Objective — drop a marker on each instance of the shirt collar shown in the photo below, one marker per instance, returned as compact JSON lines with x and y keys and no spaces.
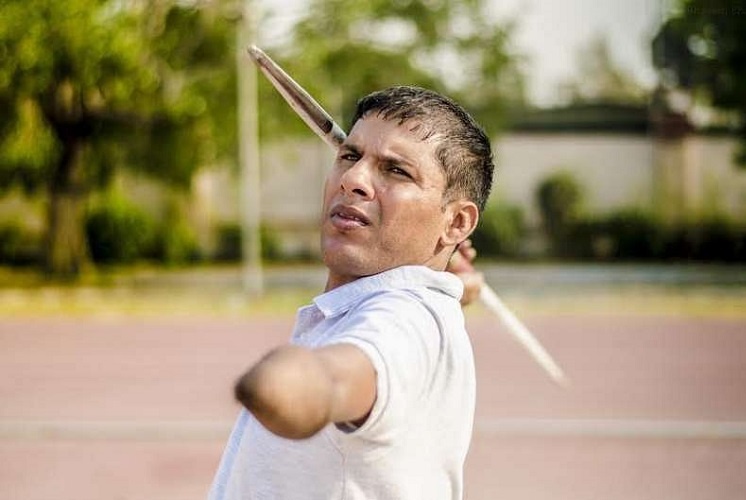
{"x":341,"y":299}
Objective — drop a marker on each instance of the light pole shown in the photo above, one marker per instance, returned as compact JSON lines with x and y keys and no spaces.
{"x":248,"y":153}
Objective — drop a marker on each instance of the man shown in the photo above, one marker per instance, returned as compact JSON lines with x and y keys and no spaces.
{"x":374,"y":396}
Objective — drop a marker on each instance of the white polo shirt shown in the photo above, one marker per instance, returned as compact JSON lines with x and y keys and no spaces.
{"x":413,"y":445}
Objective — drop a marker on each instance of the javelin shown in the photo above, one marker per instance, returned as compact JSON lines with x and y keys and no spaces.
{"x":325,"y":127}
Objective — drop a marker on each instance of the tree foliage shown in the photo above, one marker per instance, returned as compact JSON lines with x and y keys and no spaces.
{"x":89,"y":86}
{"x":701,"y":49}
{"x":343,"y":49}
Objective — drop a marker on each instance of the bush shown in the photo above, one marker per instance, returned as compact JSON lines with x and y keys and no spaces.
{"x":717,"y":239}
{"x":584,"y":240}
{"x":559,"y":198}
{"x":271,"y":248}
{"x":722,"y":240}
{"x":175,"y":243}
{"x":118,"y":232}
{"x":626,"y":234}
{"x":230,"y":240}
{"x":636,"y":234}
{"x":19,"y":247}
{"x":632,"y":234}
{"x":500,"y":232}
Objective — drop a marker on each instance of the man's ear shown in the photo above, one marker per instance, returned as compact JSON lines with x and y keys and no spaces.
{"x":462,"y":219}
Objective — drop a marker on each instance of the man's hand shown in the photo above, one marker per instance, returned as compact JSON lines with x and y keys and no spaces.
{"x":461,"y":265}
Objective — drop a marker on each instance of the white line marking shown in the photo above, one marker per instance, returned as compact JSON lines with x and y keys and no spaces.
{"x":189,"y":430}
{"x":125,"y":430}
{"x":611,"y":428}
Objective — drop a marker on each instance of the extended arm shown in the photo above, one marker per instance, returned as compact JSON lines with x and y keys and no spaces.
{"x":295,"y":391}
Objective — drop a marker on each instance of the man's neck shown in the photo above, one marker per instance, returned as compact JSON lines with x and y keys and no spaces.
{"x":335,"y":280}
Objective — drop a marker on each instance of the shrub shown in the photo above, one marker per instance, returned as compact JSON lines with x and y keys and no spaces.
{"x":633,"y":235}
{"x":230,"y":240}
{"x":228,"y":247}
{"x":18,"y":246}
{"x":584,"y":240}
{"x":175,"y":243}
{"x":717,"y":239}
{"x":118,"y":232}
{"x":500,"y":232}
{"x":559,"y":198}
{"x":624,"y":234}
{"x":271,"y":248}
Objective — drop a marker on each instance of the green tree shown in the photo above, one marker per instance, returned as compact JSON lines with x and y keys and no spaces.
{"x":343,"y":49}
{"x":701,"y":49}
{"x":89,"y":86}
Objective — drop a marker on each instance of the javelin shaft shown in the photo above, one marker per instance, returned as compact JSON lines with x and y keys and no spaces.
{"x":304,"y":105}
{"x":518,"y":330}
{"x":325,"y":127}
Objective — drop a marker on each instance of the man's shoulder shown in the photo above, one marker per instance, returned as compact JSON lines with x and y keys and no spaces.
{"x":406,"y":310}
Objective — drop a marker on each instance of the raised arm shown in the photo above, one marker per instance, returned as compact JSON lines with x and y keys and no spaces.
{"x":295,"y":391}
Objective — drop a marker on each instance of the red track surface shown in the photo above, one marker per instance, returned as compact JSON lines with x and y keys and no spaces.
{"x":121,"y":408}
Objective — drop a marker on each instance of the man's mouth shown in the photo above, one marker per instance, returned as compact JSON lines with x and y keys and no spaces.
{"x":347,"y":217}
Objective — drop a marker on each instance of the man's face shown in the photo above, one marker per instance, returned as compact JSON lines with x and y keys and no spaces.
{"x":383,"y":202}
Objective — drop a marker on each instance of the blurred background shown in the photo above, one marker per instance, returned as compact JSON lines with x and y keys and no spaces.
{"x":618,"y":128}
{"x":158,"y":227}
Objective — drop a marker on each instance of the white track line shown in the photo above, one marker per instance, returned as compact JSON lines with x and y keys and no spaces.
{"x":165,"y":430}
{"x":612,"y":428}
{"x":124,"y":430}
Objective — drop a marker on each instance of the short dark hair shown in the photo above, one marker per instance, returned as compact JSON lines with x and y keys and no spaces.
{"x":463,"y":149}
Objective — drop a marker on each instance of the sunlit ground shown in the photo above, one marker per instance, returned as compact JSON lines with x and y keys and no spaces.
{"x":527,"y":289}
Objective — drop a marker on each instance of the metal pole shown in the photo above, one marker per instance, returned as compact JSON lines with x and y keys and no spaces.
{"x":248,"y":154}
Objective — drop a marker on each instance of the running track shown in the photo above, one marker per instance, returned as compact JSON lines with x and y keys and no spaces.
{"x":139,"y":408}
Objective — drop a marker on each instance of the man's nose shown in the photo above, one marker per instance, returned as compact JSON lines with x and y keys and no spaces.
{"x":358,"y":179}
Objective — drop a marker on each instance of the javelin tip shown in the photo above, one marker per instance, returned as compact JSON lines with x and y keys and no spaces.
{"x":255,"y":52}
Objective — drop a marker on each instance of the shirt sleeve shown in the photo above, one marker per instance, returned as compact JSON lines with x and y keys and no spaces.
{"x":402,"y":338}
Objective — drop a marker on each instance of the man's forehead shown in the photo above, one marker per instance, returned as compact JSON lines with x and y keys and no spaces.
{"x":415,"y":128}
{"x":390,"y":140}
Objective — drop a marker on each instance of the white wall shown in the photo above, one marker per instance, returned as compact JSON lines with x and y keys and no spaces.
{"x":614,"y":170}
{"x":693,"y":175}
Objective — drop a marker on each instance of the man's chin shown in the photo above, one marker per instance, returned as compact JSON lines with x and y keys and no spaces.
{"x":349,"y":262}
{"x":345,"y":264}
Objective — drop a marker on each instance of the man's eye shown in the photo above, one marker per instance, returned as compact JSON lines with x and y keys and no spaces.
{"x":398,"y":171}
{"x":349,"y":157}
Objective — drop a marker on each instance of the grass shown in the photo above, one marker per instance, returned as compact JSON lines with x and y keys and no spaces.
{"x":141,"y":291}
{"x":216,"y":291}
{"x":632,"y":300}
{"x":116,"y":301}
